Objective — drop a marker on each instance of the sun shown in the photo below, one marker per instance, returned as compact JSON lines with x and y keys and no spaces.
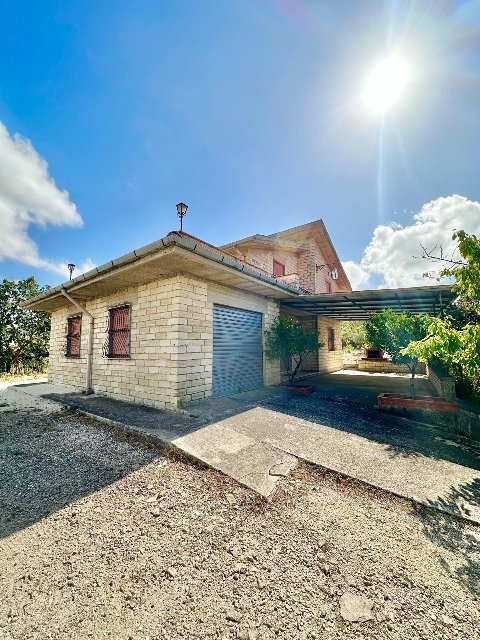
{"x":385,"y":84}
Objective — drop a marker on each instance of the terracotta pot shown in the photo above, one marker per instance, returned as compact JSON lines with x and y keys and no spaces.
{"x":421,"y":402}
{"x":304,"y":391}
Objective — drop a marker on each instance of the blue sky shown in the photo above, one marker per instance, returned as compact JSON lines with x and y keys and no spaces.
{"x":250,"y":111}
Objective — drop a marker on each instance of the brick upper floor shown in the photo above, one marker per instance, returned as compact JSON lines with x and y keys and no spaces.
{"x":303,"y":256}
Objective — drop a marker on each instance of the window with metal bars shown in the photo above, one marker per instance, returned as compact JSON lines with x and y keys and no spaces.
{"x":331,"y":339}
{"x":119,"y":332}
{"x":74,"y":328}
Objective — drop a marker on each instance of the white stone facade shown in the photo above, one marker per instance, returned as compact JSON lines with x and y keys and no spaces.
{"x":171,"y":319}
{"x":170,"y":341}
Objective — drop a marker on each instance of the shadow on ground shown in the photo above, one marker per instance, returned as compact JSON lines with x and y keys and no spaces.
{"x":79,"y":465}
{"x":342,"y":402}
{"x":453,"y":535}
{"x":48,"y":461}
{"x":403,"y":438}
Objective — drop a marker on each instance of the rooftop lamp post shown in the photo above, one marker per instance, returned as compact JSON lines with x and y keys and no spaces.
{"x":70,"y":268}
{"x":181,"y":212}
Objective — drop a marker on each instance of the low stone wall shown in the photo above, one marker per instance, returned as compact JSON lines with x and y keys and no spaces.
{"x":351,"y":359}
{"x":383,"y":365}
{"x":462,"y":422}
{"x":467,"y":423}
{"x":443,"y":384}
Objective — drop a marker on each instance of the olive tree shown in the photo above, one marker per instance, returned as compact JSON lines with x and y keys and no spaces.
{"x":289,"y":341}
{"x":23,"y":334}
{"x":393,"y":332}
{"x":454,"y":338}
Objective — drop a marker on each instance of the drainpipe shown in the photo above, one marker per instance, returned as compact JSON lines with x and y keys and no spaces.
{"x":88,"y":381}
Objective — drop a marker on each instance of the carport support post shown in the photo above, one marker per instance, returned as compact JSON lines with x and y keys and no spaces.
{"x":88,"y":381}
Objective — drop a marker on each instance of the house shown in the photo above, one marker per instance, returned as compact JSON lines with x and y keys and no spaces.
{"x":180,"y":319}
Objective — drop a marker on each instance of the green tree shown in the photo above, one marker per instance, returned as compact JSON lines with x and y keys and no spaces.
{"x":353,"y":335}
{"x":393,"y":332}
{"x":291,"y":343}
{"x":454,"y":338}
{"x":23,"y":334}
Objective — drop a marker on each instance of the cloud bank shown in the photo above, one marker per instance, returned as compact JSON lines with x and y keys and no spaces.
{"x":393,"y":252}
{"x":28,"y":195}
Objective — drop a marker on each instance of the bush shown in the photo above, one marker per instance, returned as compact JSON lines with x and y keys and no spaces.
{"x":291,"y":343}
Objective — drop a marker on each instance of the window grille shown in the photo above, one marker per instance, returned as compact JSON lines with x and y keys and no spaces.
{"x":119,"y":332}
{"x":74,"y":326}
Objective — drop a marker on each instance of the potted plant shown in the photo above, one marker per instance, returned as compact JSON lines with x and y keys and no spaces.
{"x":289,"y":341}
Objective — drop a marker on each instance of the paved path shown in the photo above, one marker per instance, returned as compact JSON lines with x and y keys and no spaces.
{"x":257,"y":437}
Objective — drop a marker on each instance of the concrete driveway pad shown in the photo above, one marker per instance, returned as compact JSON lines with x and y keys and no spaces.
{"x":433,"y":482}
{"x":255,"y":464}
{"x":257,"y":437}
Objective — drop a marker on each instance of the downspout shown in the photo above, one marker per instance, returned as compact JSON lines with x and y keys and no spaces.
{"x":88,"y":381}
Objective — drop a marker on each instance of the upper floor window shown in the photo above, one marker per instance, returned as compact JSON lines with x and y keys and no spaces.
{"x":119,"y":332}
{"x":74,"y":328}
{"x":331,"y":339}
{"x":278,"y":269}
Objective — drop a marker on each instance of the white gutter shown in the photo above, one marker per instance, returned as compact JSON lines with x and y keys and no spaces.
{"x":172,"y":239}
{"x":88,"y":381}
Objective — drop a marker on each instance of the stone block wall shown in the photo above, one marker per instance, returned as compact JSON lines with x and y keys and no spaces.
{"x":329,"y":361}
{"x":383,"y":365}
{"x":443,"y":384}
{"x":170,"y":341}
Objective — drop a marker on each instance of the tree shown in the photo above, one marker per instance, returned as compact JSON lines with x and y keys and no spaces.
{"x":393,"y":332}
{"x":353,"y":335}
{"x":290,"y":342}
{"x":23,"y":334}
{"x":454,"y":339}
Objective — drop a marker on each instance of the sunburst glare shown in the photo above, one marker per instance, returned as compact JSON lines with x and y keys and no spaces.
{"x":385,"y":84}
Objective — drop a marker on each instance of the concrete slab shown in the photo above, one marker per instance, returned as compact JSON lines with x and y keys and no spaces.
{"x":28,"y":396}
{"x":255,"y":464}
{"x":438,"y":483}
{"x":257,"y":437}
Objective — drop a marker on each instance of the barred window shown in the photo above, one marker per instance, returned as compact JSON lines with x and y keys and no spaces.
{"x":331,"y":339}
{"x":74,"y":327}
{"x":119,"y":332}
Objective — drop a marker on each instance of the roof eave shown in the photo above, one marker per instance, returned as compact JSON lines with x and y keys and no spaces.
{"x":156,"y":250}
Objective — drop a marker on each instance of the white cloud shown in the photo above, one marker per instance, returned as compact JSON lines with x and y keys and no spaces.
{"x":393,"y":253}
{"x":356,"y":274}
{"x":28,"y":195}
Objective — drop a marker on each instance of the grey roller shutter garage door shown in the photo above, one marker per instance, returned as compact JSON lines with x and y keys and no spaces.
{"x":237,"y":350}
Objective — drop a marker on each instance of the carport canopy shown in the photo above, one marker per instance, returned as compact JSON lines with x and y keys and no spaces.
{"x":357,"y":305}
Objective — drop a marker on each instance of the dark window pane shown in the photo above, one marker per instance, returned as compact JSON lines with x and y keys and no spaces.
{"x":331,"y":339}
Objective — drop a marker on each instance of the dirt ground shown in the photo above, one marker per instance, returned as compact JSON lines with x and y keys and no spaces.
{"x":103,"y":537}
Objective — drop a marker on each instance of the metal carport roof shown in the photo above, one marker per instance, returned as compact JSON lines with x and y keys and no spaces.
{"x":357,"y":305}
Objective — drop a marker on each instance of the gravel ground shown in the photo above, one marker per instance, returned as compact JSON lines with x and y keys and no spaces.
{"x":102,"y":537}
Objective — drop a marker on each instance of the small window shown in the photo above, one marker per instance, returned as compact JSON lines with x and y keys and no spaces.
{"x":119,"y":332}
{"x":331,"y":339}
{"x":329,"y":287}
{"x":278,"y":269}
{"x":74,"y":327}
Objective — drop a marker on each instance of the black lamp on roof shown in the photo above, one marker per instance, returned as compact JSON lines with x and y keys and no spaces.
{"x":71,"y":268}
{"x":181,"y":212}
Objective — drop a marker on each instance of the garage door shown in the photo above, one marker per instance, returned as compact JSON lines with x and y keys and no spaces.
{"x":237,"y":350}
